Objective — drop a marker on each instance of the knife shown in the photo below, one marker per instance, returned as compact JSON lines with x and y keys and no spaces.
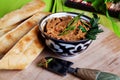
{"x":62,"y":67}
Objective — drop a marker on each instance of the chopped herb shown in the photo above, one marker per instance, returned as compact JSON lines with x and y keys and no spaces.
{"x":45,"y":62}
{"x":67,"y":30}
{"x":91,"y":33}
{"x":86,"y":24}
{"x":49,"y":60}
{"x":70,"y":25}
{"x":82,"y":28}
{"x":74,"y":20}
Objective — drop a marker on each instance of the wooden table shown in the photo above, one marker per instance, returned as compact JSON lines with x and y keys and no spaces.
{"x":102,"y":54}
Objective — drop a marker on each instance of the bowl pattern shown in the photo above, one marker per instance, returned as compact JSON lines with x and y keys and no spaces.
{"x":60,"y":47}
{"x":67,"y":49}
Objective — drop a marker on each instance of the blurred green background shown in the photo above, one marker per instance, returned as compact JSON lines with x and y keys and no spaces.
{"x":9,"y":5}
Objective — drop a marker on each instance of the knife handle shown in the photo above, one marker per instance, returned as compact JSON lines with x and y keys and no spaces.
{"x":91,"y":74}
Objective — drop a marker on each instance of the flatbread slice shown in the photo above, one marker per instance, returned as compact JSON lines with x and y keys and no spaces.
{"x":24,"y":52}
{"x":8,"y":40}
{"x":5,"y":30}
{"x":22,"y":13}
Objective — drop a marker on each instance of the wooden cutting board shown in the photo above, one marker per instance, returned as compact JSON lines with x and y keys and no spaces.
{"x":102,"y":54}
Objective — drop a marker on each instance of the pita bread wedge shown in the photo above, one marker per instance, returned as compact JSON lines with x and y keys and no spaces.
{"x":24,"y":52}
{"x":21,"y":14}
{"x":5,"y":30}
{"x":9,"y":39}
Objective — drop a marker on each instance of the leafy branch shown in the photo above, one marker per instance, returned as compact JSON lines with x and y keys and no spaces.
{"x":94,"y":30}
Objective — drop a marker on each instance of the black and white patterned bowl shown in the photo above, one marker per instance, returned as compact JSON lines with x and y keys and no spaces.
{"x":60,"y":47}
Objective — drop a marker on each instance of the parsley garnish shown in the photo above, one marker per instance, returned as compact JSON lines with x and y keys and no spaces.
{"x":82,"y":28}
{"x":94,"y":30}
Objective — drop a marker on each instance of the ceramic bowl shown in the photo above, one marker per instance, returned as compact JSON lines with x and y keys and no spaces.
{"x":60,"y":47}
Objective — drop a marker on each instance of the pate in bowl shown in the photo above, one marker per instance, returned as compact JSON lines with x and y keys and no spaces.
{"x":68,"y":34}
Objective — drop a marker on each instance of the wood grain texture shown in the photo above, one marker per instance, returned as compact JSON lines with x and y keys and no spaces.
{"x":103,"y":54}
{"x":86,"y":74}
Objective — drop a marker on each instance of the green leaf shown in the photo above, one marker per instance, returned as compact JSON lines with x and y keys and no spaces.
{"x":54,"y":6}
{"x":74,"y":20}
{"x":91,"y":36}
{"x":67,"y":30}
{"x":49,"y":60}
{"x":46,"y":62}
{"x":94,"y":30}
{"x":100,"y":5}
{"x":97,"y":3}
{"x":59,"y":5}
{"x":94,"y":20}
{"x":70,"y":25}
{"x":82,"y":28}
{"x":115,"y":26}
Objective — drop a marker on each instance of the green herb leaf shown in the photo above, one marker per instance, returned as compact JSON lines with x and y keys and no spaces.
{"x":86,"y":24}
{"x":94,"y":30}
{"x":49,"y":60}
{"x":74,"y":20}
{"x":94,"y":21}
{"x":44,"y":62}
{"x":67,"y":30}
{"x":70,"y":25}
{"x":82,"y":28}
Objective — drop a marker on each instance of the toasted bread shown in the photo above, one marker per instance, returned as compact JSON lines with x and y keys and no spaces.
{"x":24,"y":52}
{"x":10,"y":39}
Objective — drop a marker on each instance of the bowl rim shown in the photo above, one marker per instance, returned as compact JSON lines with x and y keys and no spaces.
{"x":72,"y":13}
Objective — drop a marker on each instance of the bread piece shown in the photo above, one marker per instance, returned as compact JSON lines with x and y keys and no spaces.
{"x":5,"y":30}
{"x":24,"y":52}
{"x":21,"y":14}
{"x":8,"y":40}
